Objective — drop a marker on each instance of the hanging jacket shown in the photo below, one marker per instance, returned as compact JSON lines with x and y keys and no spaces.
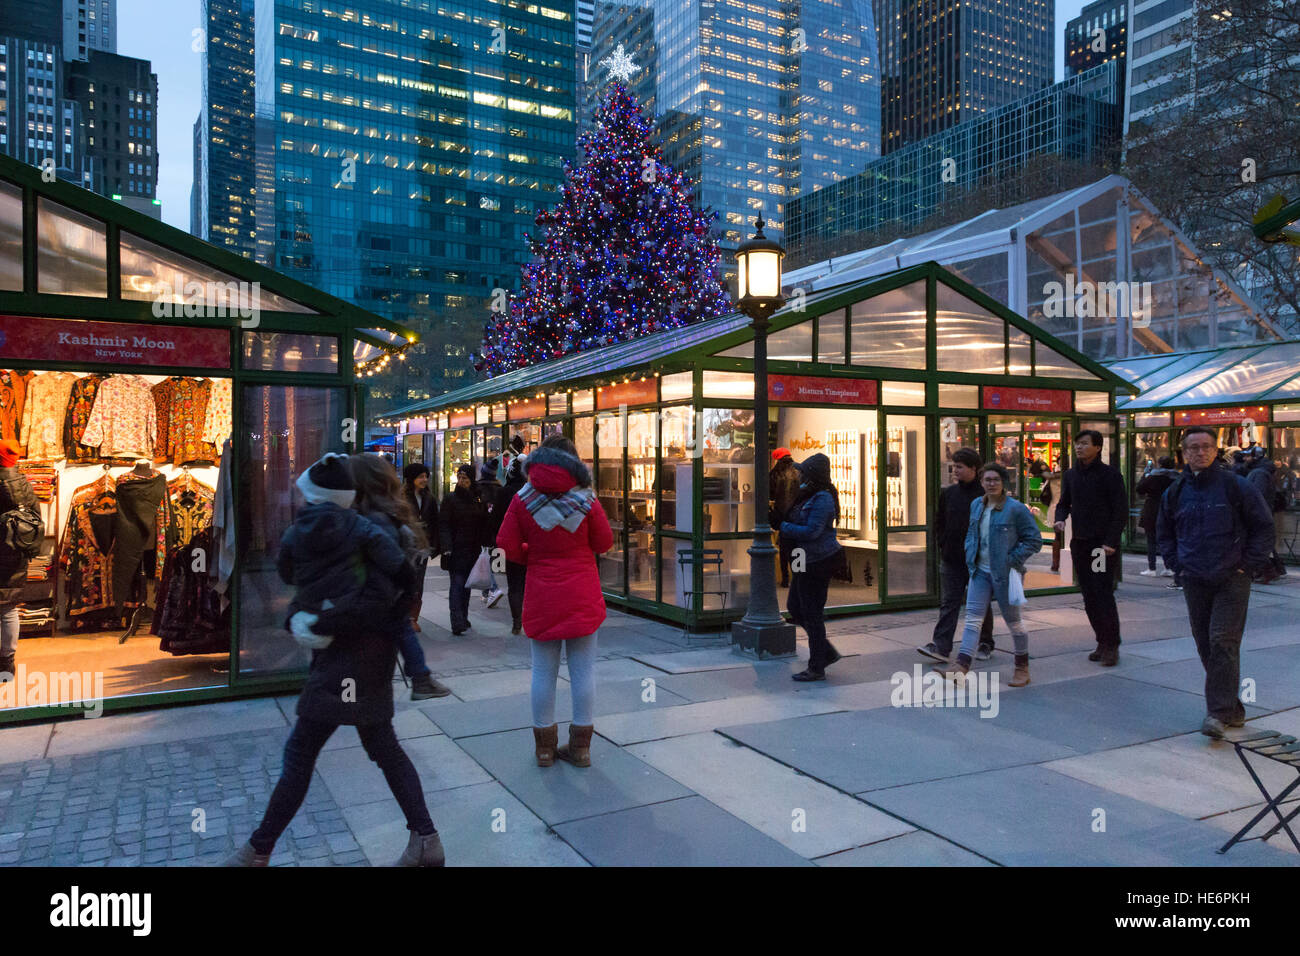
{"x":1013,"y":539}
{"x":15,"y":491}
{"x":562,"y":595}
{"x":1153,"y":485}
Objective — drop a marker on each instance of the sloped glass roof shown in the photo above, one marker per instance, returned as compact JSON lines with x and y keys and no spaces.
{"x":1227,"y":376}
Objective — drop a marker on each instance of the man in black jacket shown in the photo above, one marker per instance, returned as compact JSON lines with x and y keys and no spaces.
{"x":951,"y":520}
{"x":1093,"y":493}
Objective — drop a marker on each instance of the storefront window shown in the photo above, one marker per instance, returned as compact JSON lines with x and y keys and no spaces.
{"x":955,"y":432}
{"x":285,"y":429}
{"x":831,"y":329}
{"x":412,"y":449}
{"x":610,"y":442}
{"x":728,"y":385}
{"x":584,"y":401}
{"x":791,"y":345}
{"x":889,"y":329}
{"x":676,"y":387}
{"x":458,"y":451}
{"x":1020,"y":364}
{"x":584,"y":437}
{"x":71,"y":252}
{"x":678,"y":428}
{"x":290,"y":352}
{"x":728,"y":436}
{"x":902,"y":393}
{"x":968,"y":338}
{"x":959,"y":396}
{"x":11,"y":237}
{"x":557,"y":404}
{"x":481,"y":414}
{"x":1091,"y":402}
{"x":642,"y":560}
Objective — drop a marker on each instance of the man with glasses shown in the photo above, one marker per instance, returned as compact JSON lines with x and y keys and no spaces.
{"x":1093,"y":493}
{"x":1215,"y":531}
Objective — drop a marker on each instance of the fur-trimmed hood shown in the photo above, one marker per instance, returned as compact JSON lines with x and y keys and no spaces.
{"x":553,"y":472}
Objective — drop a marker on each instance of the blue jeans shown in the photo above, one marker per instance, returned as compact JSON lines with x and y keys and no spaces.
{"x":582,"y":679}
{"x":979,"y":597}
{"x":409,"y":647}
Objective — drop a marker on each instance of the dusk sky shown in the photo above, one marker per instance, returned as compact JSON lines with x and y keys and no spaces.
{"x":162,"y":32}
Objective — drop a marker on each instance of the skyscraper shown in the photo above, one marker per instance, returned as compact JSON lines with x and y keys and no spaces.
{"x":755,"y":102}
{"x":1161,"y":44}
{"x":945,"y":61}
{"x":89,"y":25}
{"x":225,"y":199}
{"x":403,"y":148}
{"x":39,"y":124}
{"x":118,"y":100}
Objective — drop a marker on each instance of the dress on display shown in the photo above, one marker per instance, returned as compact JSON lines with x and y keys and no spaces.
{"x":142,"y":532}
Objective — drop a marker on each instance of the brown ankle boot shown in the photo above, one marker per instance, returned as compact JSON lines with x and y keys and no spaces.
{"x":578,"y":750}
{"x":1021,"y":675}
{"x":545,"y":739}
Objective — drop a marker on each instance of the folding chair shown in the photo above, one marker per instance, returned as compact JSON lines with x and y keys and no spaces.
{"x":710,"y":561}
{"x":1285,"y":750}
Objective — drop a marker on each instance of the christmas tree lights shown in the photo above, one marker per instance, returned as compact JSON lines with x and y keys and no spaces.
{"x":624,"y":253}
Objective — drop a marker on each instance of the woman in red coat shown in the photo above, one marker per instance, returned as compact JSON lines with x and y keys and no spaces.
{"x":555,"y":527}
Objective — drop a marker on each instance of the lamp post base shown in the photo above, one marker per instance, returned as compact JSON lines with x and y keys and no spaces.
{"x":763,"y":641}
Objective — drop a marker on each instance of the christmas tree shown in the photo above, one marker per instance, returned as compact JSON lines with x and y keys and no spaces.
{"x":623,"y":253}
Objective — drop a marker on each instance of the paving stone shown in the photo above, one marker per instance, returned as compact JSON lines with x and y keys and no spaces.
{"x":689,"y":831}
{"x":916,"y":848}
{"x":352,"y":778}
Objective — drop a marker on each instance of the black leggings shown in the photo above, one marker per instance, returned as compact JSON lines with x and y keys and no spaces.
{"x":300,"y":753}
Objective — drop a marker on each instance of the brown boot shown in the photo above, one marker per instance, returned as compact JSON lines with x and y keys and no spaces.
{"x":578,"y":750}
{"x":1020,"y":677}
{"x":545,"y":739}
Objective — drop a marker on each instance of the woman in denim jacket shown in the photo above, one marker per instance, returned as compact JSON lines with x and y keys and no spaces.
{"x":1002,"y":537}
{"x":810,"y":529}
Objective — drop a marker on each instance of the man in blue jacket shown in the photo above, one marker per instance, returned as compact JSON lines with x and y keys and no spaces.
{"x":1215,"y":531}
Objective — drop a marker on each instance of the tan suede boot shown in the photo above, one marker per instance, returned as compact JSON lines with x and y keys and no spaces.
{"x":578,"y":750}
{"x":1020,"y":677}
{"x":545,"y":739}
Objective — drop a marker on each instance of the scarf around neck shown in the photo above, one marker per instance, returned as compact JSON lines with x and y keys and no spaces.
{"x":566,"y":511}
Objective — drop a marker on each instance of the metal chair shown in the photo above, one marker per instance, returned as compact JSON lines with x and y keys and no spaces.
{"x":1285,"y":750}
{"x":710,"y":562}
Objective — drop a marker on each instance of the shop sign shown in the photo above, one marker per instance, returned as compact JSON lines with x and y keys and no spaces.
{"x":529,"y":408}
{"x":628,"y":393}
{"x":822,"y":390}
{"x":78,"y":341}
{"x":998,"y":398}
{"x":1221,"y":416}
{"x":461,"y":419}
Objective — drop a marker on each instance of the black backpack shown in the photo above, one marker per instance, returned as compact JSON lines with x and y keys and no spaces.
{"x":21,"y":532}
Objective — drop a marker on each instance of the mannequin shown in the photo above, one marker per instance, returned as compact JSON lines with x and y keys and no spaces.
{"x":139,"y":495}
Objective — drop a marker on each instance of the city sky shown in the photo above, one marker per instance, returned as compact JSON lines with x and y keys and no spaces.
{"x":163,"y":32}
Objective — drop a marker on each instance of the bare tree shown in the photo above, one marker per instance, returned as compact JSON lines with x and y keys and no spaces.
{"x":1232,"y":143}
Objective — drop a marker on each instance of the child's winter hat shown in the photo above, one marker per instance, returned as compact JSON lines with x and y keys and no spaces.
{"x":489,"y":470}
{"x":329,"y":480}
{"x":517,"y":443}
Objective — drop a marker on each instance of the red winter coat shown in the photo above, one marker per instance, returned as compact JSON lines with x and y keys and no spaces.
{"x":562,"y":596}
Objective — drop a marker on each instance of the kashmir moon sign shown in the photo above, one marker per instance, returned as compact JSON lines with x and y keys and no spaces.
{"x":80,"y":341}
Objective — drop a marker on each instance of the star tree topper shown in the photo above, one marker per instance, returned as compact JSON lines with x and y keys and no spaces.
{"x":619,"y":64}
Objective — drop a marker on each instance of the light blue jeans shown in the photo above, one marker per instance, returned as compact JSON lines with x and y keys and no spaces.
{"x":8,"y":628}
{"x":979,"y":595}
{"x":582,"y":679}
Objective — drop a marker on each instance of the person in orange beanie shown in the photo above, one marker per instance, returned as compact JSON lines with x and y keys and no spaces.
{"x":15,"y":492}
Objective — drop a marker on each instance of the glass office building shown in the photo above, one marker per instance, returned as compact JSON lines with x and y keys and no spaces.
{"x":755,"y":102}
{"x":1078,"y":118}
{"x":404,"y":146}
{"x":946,"y":61}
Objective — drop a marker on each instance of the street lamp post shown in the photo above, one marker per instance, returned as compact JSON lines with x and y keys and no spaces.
{"x":762,"y":631}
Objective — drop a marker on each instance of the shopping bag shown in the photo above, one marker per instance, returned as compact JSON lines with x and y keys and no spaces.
{"x":1015,"y":588}
{"x":480,"y":576}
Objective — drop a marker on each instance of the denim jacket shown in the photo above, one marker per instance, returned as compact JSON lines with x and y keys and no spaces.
{"x":811,"y":526}
{"x":1013,"y":538}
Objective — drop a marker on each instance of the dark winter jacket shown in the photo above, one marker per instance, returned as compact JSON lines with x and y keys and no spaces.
{"x":783,"y":485}
{"x":1211,"y":532}
{"x":15,"y":491}
{"x":351,"y":681}
{"x":428,"y":515}
{"x":504,"y":494}
{"x":952,"y":518}
{"x":811,"y":526}
{"x":462,"y":529}
{"x":489,"y":492}
{"x":1262,"y":477}
{"x":562,"y":594}
{"x":1153,"y":486}
{"x":327,"y":554}
{"x":1095,"y":496}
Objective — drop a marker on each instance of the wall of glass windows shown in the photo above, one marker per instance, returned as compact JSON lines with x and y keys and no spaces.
{"x":887,"y":378}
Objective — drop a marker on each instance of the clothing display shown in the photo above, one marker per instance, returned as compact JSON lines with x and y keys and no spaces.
{"x":223,"y":524}
{"x":192,"y":505}
{"x":81,"y":401}
{"x":124,"y":419}
{"x":43,"y":478}
{"x":86,"y":556}
{"x":143,"y":527}
{"x":217,"y":421}
{"x":191,"y":618}
{"x":43,"y":414}
{"x":13,"y":395}
{"x":181,"y":406}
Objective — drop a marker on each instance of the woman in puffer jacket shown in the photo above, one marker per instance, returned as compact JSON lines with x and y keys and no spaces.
{"x":816,"y":555}
{"x":555,"y":528}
